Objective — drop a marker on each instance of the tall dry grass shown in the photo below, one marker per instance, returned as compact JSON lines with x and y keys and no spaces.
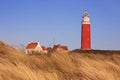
{"x":16,"y":65}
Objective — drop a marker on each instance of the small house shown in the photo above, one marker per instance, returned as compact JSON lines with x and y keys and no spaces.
{"x":33,"y":47}
{"x":44,"y":49}
{"x":60,"y":48}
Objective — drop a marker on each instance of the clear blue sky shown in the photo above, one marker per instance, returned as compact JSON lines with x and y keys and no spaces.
{"x":59,"y":22}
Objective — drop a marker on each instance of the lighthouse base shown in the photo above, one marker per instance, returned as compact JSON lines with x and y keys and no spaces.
{"x":86,"y":49}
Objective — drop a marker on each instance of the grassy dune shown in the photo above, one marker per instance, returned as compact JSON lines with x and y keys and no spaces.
{"x":16,"y":65}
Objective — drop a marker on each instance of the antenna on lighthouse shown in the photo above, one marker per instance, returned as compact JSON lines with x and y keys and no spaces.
{"x":85,"y":13}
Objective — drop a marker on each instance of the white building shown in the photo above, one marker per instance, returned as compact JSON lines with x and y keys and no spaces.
{"x":33,"y":47}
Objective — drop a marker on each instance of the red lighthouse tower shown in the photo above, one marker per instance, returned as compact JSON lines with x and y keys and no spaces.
{"x":85,"y":35}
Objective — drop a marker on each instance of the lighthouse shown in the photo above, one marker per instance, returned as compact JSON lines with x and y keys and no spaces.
{"x":85,"y":32}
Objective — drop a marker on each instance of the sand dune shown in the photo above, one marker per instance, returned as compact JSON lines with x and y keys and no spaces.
{"x":16,"y":65}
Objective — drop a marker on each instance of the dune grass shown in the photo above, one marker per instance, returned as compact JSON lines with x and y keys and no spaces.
{"x":16,"y":65}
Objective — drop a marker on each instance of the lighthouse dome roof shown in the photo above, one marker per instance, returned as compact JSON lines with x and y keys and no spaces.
{"x":86,"y":13}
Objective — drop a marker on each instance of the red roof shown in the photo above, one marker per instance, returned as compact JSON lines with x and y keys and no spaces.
{"x":32,"y":45}
{"x":49,"y":48}
{"x":64,"y":47}
{"x":55,"y":47}
{"x":44,"y":48}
